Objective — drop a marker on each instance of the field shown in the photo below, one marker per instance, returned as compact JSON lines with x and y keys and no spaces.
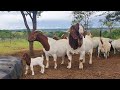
{"x":100,"y":69}
{"x":14,"y":46}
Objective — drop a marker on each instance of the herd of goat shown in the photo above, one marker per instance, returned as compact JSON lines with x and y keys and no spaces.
{"x":78,"y":41}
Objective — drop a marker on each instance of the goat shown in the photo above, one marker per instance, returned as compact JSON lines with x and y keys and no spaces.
{"x":30,"y":62}
{"x":88,"y":47}
{"x":51,"y":47}
{"x":59,"y":48}
{"x":116,"y":45}
{"x":104,"y":46}
{"x":79,"y":43}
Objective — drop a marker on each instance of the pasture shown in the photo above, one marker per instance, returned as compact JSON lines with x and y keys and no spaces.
{"x":10,"y":47}
{"x":100,"y":69}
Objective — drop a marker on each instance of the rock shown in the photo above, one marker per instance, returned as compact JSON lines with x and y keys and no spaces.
{"x":10,"y":67}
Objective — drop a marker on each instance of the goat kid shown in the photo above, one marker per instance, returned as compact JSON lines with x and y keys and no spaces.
{"x":30,"y":62}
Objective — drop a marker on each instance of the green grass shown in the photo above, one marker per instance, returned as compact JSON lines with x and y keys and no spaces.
{"x":7,"y":47}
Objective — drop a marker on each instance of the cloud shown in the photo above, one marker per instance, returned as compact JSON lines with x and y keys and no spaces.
{"x":14,"y":20}
{"x":56,"y":15}
{"x":48,"y":19}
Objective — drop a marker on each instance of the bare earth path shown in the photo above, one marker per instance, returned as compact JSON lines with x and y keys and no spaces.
{"x":100,"y":69}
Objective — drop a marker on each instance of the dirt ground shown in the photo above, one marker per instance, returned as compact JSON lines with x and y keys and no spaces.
{"x":100,"y":69}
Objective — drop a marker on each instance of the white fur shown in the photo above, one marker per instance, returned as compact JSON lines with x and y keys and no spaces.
{"x":81,"y":29}
{"x":34,"y":62}
{"x":57,"y":49}
{"x":87,"y":47}
{"x":80,"y":50}
{"x":104,"y":48}
{"x":96,"y":41}
{"x":116,"y":45}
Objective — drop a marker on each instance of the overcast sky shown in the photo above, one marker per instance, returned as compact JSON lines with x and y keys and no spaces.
{"x":48,"y":19}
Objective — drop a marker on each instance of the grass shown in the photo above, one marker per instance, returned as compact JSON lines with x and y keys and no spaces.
{"x":7,"y":47}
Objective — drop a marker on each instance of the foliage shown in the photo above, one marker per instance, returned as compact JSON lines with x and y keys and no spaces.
{"x":82,"y":16}
{"x":115,"y":33}
{"x":95,"y":32}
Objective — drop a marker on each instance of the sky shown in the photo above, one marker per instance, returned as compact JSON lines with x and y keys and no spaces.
{"x":47,"y":20}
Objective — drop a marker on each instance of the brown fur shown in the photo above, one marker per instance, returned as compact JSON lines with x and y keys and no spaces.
{"x":85,"y":33}
{"x":56,"y":38}
{"x":101,"y":41}
{"x":75,"y":38}
{"x":63,"y":36}
{"x":27,"y":58}
{"x":100,"y":37}
{"x":37,"y":36}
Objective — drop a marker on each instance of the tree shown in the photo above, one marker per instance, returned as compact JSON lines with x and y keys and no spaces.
{"x":114,"y":16}
{"x":110,"y":21}
{"x":82,"y":16}
{"x":33,"y":16}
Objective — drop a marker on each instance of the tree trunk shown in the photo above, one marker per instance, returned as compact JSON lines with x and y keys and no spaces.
{"x":34,"y":20}
{"x":28,"y":31}
{"x":31,"y":48}
{"x":25,"y":22}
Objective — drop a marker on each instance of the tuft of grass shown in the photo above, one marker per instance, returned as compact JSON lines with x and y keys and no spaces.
{"x":9,"y":47}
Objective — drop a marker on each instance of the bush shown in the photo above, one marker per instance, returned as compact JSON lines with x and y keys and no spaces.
{"x":95,"y":32}
{"x":115,"y":33}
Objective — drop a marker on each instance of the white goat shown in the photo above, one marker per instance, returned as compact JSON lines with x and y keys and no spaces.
{"x":116,"y":45}
{"x":30,"y":62}
{"x":85,"y":45}
{"x":88,"y":47}
{"x":104,"y":47}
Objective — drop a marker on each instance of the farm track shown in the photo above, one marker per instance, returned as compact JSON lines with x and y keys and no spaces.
{"x":100,"y":69}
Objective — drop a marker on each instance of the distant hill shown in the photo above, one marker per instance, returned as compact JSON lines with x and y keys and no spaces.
{"x":46,"y":30}
{"x":54,"y":30}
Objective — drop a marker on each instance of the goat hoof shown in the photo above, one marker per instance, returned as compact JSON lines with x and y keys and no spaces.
{"x":55,"y":68}
{"x":62,"y":63}
{"x":68,"y":67}
{"x":81,"y":68}
{"x":42,"y":72}
{"x":90,"y":62}
{"x":46,"y":67}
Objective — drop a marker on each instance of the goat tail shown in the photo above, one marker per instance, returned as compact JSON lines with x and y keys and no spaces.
{"x":100,"y":37}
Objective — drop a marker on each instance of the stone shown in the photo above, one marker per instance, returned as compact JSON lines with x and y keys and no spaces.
{"x":10,"y":67}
